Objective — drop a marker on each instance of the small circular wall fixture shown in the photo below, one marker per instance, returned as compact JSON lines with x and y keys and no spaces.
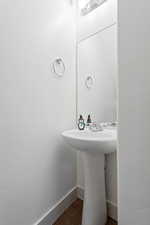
{"x":89,"y":82}
{"x":58,"y":67}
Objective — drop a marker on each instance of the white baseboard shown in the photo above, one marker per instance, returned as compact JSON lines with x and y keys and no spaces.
{"x":57,"y":210}
{"x":80,"y":192}
{"x":112,"y":210}
{"x":111,"y":207}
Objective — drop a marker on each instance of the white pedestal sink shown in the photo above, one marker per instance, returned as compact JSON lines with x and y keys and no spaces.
{"x":93,"y":145}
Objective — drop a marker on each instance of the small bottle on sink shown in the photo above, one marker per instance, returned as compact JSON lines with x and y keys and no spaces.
{"x":81,"y":123}
{"x":89,"y":121}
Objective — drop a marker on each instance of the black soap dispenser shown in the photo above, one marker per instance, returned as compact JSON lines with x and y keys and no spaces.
{"x":81,"y":123}
{"x":89,"y":121}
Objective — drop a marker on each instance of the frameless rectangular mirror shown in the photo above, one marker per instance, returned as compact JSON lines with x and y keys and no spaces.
{"x":97,"y":76}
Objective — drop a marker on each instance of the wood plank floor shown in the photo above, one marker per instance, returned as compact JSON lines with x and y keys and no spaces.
{"x":73,"y":215}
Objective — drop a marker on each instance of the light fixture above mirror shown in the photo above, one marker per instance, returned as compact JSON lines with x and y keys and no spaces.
{"x":86,"y":6}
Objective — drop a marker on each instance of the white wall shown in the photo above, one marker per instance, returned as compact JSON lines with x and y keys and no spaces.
{"x":36,"y":167}
{"x":97,"y":56}
{"x":134,"y":112}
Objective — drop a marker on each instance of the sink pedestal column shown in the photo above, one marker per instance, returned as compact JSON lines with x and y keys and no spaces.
{"x":94,"y":211}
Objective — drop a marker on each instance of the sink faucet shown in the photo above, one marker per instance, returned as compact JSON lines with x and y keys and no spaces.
{"x":95,"y":127}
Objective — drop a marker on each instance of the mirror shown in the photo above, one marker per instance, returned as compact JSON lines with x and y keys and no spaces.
{"x":97,"y":71}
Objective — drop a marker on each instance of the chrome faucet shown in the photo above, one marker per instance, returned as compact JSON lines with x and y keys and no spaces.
{"x":95,"y":127}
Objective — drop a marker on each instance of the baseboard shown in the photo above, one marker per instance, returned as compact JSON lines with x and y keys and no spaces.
{"x":111,"y":207}
{"x":112,"y":210}
{"x":57,"y":210}
{"x":80,"y":192}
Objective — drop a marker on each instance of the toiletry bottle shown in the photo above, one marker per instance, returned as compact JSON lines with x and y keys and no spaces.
{"x":81,"y":123}
{"x":89,"y":121}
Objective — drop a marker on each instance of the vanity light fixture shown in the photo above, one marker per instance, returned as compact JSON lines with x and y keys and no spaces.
{"x":90,"y":6}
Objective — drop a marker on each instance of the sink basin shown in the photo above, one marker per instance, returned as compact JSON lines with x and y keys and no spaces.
{"x":93,"y":146}
{"x":92,"y":142}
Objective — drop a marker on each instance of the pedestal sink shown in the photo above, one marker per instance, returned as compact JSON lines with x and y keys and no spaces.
{"x":93,"y":145}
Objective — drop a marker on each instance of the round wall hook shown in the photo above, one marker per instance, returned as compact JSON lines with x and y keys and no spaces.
{"x":58,"y":67}
{"x":89,"y":82}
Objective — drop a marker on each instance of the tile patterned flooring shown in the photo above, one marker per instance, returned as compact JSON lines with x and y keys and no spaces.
{"x":73,"y":215}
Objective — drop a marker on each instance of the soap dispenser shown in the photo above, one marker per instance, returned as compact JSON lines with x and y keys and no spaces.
{"x":81,"y":123}
{"x":89,"y":121}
